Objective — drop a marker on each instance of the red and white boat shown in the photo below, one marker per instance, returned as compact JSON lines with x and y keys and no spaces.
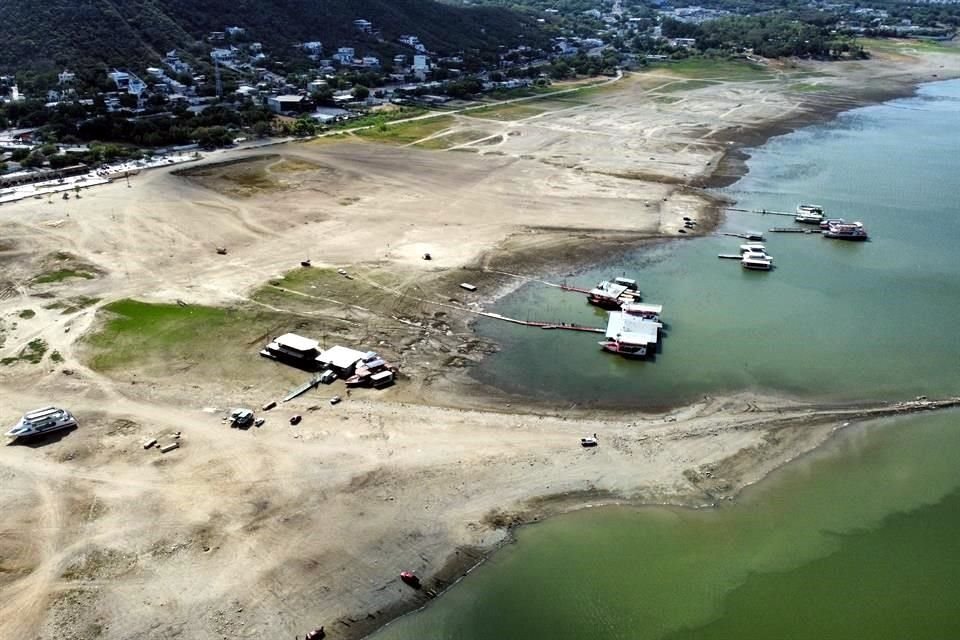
{"x":634,"y":331}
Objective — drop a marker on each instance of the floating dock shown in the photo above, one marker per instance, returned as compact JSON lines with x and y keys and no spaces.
{"x":793,"y":230}
{"x":763,"y":212}
{"x":749,"y":235}
{"x":730,"y":256}
{"x":543,"y":325}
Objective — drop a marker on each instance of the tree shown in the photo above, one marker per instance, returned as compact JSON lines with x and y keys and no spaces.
{"x":304,"y":127}
{"x":34,"y":160}
{"x":211,"y":137}
{"x":128,"y":100}
{"x":360,"y":92}
{"x":262,"y":129}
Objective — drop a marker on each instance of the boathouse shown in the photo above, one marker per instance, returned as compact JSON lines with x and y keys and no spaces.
{"x":294,"y":350}
{"x":342,"y":360}
{"x":634,"y":330}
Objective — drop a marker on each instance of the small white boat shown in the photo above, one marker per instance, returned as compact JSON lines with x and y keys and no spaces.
{"x":41,"y":422}
{"x":756,"y":261}
{"x":809,"y":214}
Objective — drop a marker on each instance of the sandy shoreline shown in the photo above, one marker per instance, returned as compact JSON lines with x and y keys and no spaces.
{"x":279,"y":530}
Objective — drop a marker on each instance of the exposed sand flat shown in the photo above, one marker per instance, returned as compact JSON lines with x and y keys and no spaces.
{"x":273,"y":531}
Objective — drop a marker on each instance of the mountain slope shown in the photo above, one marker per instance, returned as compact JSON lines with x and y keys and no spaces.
{"x":76,"y":33}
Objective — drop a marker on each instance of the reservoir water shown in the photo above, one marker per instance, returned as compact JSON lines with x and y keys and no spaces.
{"x":860,"y":539}
{"x":836,"y":320}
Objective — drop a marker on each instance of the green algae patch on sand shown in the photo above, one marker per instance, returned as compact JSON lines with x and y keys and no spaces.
{"x":718,"y":69}
{"x":198,"y":342}
{"x":31,"y":354}
{"x":406,"y":132}
{"x":133,"y":331}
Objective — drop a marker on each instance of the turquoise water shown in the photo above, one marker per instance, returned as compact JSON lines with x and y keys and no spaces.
{"x":835,"y":320}
{"x":859,"y":540}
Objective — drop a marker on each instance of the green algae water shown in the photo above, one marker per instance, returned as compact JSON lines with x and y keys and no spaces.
{"x":859,"y":540}
{"x":834,"y":320}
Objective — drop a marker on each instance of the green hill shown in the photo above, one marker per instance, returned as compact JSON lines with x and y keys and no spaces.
{"x":49,"y":35}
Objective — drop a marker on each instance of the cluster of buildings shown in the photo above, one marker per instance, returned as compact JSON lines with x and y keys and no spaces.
{"x":356,"y":368}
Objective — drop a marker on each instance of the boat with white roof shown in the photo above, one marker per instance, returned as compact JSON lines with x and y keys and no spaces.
{"x":754,"y":247}
{"x":846,"y":231}
{"x":756,"y":261}
{"x":634,"y":331}
{"x":809,"y":214}
{"x":41,"y":422}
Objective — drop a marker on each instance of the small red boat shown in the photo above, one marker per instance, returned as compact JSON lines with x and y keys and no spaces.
{"x":410,"y":578}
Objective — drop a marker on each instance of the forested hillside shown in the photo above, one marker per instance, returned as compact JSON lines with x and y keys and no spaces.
{"x":81,"y":33}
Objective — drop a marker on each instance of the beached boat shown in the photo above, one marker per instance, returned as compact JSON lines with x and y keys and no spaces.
{"x":846,"y":231}
{"x":809,"y":214}
{"x":410,"y":578}
{"x":756,"y":261}
{"x":41,"y":422}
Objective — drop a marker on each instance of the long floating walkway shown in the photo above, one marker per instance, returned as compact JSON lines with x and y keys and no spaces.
{"x":542,"y":325}
{"x":762,"y":212}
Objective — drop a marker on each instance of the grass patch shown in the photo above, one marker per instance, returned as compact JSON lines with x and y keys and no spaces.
{"x":907,"y":47}
{"x":686,"y":85}
{"x":32,"y":353}
{"x":293,"y":165}
{"x":666,"y":99}
{"x":515,"y":111}
{"x":74,"y":304}
{"x":61,"y":266}
{"x":716,"y":68}
{"x":806,"y":87}
{"x":135,"y":329}
{"x":378,"y":118}
{"x":453,"y":139}
{"x":59,"y":275}
{"x":204,"y":343}
{"x":406,"y":132}
{"x":26,"y":314}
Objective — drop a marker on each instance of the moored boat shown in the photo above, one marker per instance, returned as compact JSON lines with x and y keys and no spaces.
{"x":756,"y":261}
{"x":846,"y":231}
{"x":754,"y":247}
{"x":41,"y":422}
{"x":825,"y":224}
{"x":809,"y":214}
{"x":611,"y":294}
{"x":633,"y":332}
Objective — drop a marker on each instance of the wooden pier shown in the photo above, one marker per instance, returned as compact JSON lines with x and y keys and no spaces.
{"x":729,"y":256}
